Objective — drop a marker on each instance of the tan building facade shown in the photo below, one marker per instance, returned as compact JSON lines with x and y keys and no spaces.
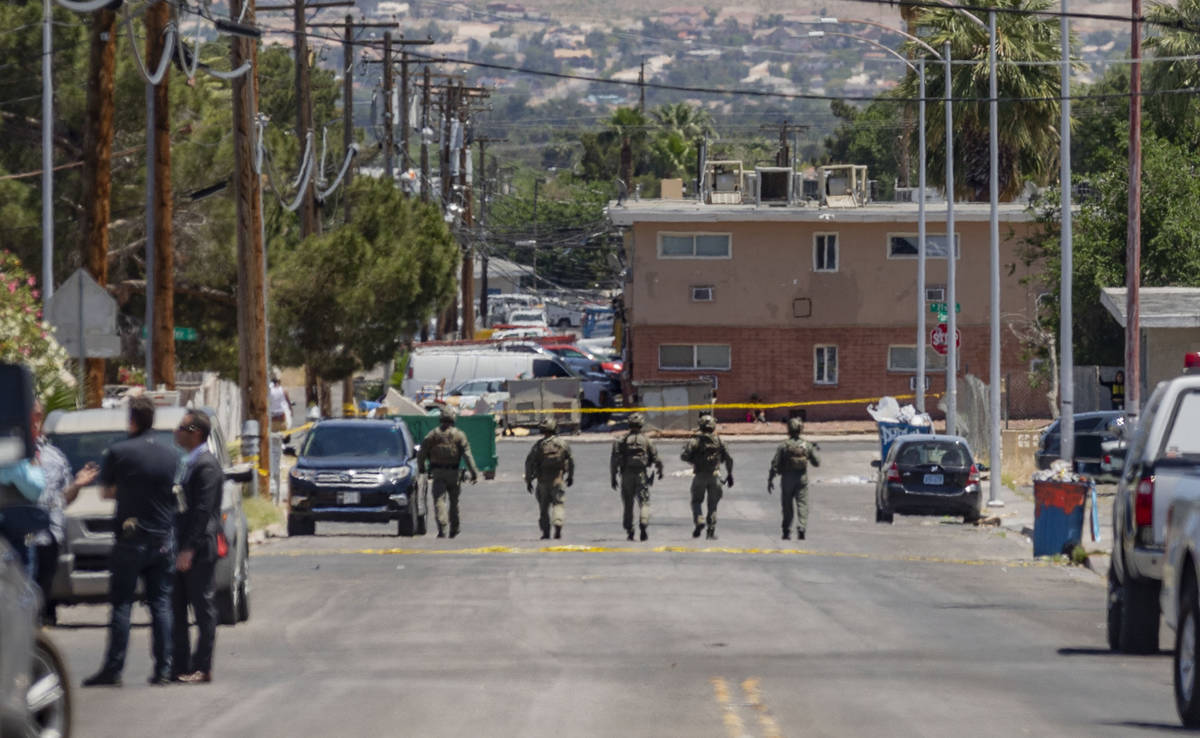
{"x":807,"y":304}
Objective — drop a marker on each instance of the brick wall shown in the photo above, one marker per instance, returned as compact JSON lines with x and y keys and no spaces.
{"x":776,"y":363}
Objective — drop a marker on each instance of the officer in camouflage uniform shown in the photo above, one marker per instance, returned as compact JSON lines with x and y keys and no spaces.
{"x":706,"y":452}
{"x":632,"y":457}
{"x":791,"y":461}
{"x":442,"y":454}
{"x":549,"y":462}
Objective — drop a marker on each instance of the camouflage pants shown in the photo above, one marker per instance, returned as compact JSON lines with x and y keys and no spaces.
{"x":634,"y":486}
{"x":706,"y":484}
{"x":550,"y":496}
{"x":793,"y":496}
{"x":446,"y":488}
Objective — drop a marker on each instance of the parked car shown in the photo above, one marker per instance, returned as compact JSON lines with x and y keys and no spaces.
{"x":526,"y":317}
{"x":1180,"y":598}
{"x":1159,"y":473}
{"x":1092,"y":430}
{"x":563,"y":315}
{"x":35,"y":688}
{"x":584,"y":360}
{"x":355,"y":471}
{"x":927,"y":475}
{"x":492,"y":390}
{"x":83,"y":436}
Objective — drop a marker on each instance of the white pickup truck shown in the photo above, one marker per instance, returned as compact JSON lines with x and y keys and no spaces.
{"x":1180,"y":598}
{"x":1160,"y":472}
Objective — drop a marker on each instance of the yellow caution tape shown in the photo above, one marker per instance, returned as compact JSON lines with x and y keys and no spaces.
{"x":708,"y":406}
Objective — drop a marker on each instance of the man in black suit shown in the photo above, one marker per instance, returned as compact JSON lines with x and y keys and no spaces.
{"x":196,"y":530}
{"x":139,"y":473}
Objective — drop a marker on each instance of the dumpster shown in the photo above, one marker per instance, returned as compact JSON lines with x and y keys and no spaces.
{"x":890,"y":430}
{"x":480,"y":430}
{"x":1057,"y":516}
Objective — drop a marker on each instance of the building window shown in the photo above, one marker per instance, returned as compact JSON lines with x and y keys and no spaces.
{"x":825,"y":252}
{"x":935,"y":293}
{"x":693,"y":356}
{"x":825,"y":364}
{"x":702,"y":293}
{"x":694,"y":245}
{"x":904,"y":359}
{"x":904,"y":246}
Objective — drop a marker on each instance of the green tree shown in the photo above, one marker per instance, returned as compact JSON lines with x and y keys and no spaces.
{"x":1175,"y":112}
{"x":25,"y":338}
{"x":1028,"y":113}
{"x":676,"y":127}
{"x":348,"y":299}
{"x":868,"y":135}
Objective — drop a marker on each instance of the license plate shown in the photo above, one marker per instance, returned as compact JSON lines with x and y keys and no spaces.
{"x":350,"y":498}
{"x":934,"y":479}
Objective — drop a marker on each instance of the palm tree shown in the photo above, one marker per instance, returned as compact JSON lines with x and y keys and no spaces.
{"x":673,"y":143}
{"x":1028,"y":110}
{"x":1174,"y":114}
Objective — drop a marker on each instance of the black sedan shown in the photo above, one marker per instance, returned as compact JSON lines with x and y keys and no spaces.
{"x":355,"y":471}
{"x":927,"y":475}
{"x":1092,"y":431}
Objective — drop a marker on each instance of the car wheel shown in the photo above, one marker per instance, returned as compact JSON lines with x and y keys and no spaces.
{"x":1139,"y":617}
{"x":1187,"y":657}
{"x":1114,"y":611}
{"x":226,"y":605}
{"x":300,"y":527}
{"x":48,"y":698}
{"x":243,"y":603}
{"x":564,"y":323}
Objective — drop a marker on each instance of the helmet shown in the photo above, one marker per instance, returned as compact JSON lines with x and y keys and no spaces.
{"x":448,"y":414}
{"x":637,"y":420}
{"x":548,"y":425}
{"x":708,"y":423}
{"x":795,"y":425}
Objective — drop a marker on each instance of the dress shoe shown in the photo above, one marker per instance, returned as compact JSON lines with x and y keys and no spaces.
{"x":103,"y":679}
{"x":454,"y":532}
{"x":545,"y":535}
{"x":698,"y":530}
{"x":197,"y":677}
{"x":629,"y":533}
{"x":160,"y":680}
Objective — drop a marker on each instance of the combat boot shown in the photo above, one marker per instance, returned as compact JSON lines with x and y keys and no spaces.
{"x":712,"y":534}
{"x":787,"y":534}
{"x":558,"y":531}
{"x":799,"y":534}
{"x":697,"y":531}
{"x":453,"y":531}
{"x":441,"y":532}
{"x":644,"y":536}
{"x":629,"y":533}
{"x":545,"y":532}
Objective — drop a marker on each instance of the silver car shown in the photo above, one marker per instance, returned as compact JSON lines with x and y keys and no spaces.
{"x":35,"y":692}
{"x":82,"y":576}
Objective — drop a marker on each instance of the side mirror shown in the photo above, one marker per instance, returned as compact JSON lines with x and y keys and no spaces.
{"x":243,"y":474}
{"x":876,"y":463}
{"x":289,"y":451}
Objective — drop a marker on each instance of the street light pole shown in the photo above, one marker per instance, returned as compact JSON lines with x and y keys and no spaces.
{"x":994,"y":449}
{"x":48,"y":155}
{"x":951,"y":267}
{"x":1067,"y":383}
{"x":921,"y":234}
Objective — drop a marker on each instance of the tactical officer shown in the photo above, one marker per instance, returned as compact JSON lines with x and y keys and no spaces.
{"x":548,"y":462}
{"x":706,"y":452}
{"x":791,"y":461}
{"x":139,"y":473}
{"x":442,"y":454}
{"x":632,"y":457}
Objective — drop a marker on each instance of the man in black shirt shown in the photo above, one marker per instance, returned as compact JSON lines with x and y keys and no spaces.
{"x":140,"y":473}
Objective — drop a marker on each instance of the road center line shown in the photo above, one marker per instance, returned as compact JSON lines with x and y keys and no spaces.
{"x":765,"y":719}
{"x":734,"y":726}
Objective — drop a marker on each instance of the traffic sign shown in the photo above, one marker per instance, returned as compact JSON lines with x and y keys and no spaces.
{"x":81,"y":308}
{"x":182,"y":333}
{"x":938,"y":338}
{"x":941,"y":307}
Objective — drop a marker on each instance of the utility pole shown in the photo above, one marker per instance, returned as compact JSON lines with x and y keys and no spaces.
{"x":252,"y":357}
{"x":405,"y":124}
{"x":536,"y":183}
{"x":163,"y":294}
{"x":348,"y":106}
{"x":783,"y":156}
{"x":424,"y":138}
{"x":97,"y":170}
{"x":309,"y":222}
{"x":1133,"y":241}
{"x":389,"y":121}
{"x":483,"y":141}
{"x":642,"y":88}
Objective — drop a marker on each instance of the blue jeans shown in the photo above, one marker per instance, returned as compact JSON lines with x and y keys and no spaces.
{"x":152,"y":559}
{"x":17,"y":524}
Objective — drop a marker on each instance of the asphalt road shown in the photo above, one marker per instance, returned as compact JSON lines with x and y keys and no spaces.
{"x":923,"y":628}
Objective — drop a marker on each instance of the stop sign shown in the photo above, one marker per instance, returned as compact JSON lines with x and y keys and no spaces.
{"x":938,"y":336}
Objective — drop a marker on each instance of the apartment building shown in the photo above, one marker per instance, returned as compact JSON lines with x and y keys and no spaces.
{"x":803,"y":302}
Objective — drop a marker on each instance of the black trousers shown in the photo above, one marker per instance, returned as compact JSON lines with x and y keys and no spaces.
{"x":195,"y":587}
{"x":47,"y":567}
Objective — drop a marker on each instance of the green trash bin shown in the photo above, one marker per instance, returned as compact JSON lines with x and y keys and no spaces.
{"x":480,"y":430}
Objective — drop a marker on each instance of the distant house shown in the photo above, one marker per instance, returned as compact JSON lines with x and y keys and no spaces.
{"x":511,"y":11}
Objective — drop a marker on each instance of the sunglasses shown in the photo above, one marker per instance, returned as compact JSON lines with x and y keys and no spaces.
{"x":187,"y":427}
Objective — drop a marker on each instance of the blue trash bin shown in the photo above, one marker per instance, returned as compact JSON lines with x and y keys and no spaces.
{"x":1057,"y":516}
{"x":889,"y":431}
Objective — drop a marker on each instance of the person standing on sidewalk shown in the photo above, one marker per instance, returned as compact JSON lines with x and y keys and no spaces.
{"x":706,"y":452}
{"x":791,"y":461}
{"x":631,"y":459}
{"x":550,"y":462}
{"x":279,"y":405}
{"x":61,"y":490}
{"x":443,"y":452}
{"x":139,"y":473}
{"x":197,"y":529}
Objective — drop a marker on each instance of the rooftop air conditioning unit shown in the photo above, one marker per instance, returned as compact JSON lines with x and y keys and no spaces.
{"x":774,"y":185}
{"x":724,"y":180}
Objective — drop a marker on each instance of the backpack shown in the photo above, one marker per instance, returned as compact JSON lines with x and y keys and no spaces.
{"x":554,"y":456}
{"x":635,"y":456}
{"x":795,"y":456}
{"x":708,"y":453}
{"x":442,"y":449}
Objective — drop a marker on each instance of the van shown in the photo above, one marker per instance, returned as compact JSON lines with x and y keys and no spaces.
{"x":430,"y":370}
